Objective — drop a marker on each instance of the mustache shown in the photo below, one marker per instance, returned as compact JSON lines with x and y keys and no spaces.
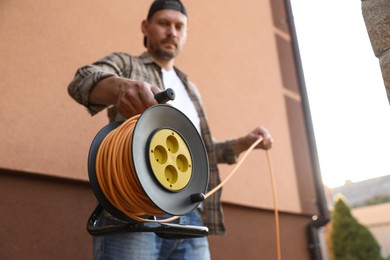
{"x":169,"y":40}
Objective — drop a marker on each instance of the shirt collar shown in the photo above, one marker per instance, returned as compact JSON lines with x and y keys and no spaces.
{"x":148,"y":59}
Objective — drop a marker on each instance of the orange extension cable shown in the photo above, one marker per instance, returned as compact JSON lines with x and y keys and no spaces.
{"x":116,"y":175}
{"x":117,"y":178}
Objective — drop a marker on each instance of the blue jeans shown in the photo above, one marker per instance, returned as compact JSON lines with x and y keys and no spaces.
{"x":149,"y":246}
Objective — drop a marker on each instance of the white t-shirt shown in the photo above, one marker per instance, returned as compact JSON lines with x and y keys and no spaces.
{"x":182,"y":99}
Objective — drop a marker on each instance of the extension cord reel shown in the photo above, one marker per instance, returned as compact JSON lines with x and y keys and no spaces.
{"x":171,"y":165}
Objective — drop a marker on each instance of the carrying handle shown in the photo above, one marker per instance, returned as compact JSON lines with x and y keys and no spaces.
{"x":165,"y":96}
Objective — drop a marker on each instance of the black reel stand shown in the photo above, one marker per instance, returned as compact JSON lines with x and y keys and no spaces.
{"x":176,"y":187}
{"x":164,"y":230}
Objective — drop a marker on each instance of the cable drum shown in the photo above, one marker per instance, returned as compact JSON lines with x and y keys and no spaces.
{"x":166,"y":156}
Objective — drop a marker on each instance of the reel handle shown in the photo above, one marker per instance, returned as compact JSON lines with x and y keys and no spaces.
{"x":165,"y":96}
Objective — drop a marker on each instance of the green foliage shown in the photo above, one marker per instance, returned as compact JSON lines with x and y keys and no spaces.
{"x":374,"y":200}
{"x":350,"y":239}
{"x":377,"y":199}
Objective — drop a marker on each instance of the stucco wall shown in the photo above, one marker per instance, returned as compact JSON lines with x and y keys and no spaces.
{"x":233,"y":57}
{"x":44,"y":218}
{"x":240,"y":58}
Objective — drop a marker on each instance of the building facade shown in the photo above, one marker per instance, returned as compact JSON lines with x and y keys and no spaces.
{"x":245,"y":61}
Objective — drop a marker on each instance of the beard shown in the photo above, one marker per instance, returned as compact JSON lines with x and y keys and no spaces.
{"x":165,"y":54}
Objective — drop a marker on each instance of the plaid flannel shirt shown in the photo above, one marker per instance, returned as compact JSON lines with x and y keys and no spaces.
{"x":144,"y":68}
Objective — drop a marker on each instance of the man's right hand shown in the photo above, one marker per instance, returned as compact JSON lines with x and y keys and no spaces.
{"x":131,"y":97}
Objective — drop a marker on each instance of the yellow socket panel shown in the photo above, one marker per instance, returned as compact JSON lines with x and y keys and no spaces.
{"x":170,"y":159}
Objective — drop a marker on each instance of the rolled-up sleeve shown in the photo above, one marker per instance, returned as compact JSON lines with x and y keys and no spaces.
{"x":225,"y":151}
{"x":86,"y":78}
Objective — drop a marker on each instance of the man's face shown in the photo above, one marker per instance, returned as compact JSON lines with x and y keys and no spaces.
{"x":166,"y":33}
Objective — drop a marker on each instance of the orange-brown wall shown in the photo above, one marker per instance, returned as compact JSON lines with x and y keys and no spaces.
{"x":238,"y":53}
{"x":44,"y":218}
{"x":251,"y":235}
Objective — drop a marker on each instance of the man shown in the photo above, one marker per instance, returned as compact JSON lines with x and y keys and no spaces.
{"x":127,"y":85}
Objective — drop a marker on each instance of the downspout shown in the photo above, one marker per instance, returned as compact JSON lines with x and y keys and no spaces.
{"x":324,"y":216}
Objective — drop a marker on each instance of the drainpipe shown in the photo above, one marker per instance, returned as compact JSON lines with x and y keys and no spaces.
{"x":324,"y":216}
